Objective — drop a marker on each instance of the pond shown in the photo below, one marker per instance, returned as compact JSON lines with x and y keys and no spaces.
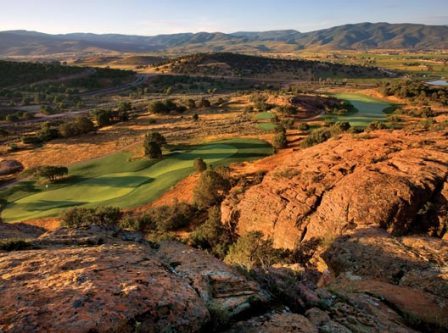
{"x":443,"y":83}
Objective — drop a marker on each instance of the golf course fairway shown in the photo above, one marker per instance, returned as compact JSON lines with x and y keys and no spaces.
{"x":116,"y":181}
{"x":369,"y":110}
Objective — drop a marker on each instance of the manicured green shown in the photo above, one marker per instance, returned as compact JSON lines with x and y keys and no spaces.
{"x":264,"y":116}
{"x":269,"y":127}
{"x":116,"y":181}
{"x":369,"y":109}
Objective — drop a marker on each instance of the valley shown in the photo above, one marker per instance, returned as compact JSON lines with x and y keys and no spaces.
{"x":261,"y":182}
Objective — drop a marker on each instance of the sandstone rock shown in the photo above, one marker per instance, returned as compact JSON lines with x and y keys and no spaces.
{"x":90,"y":280}
{"x":8,"y":167}
{"x":217,"y":284}
{"x":101,"y":289}
{"x":386,"y":181}
{"x":317,"y":316}
{"x":427,"y":311}
{"x":364,"y":313}
{"x":275,"y":322}
{"x":19,"y":230}
{"x":378,"y":204}
{"x":414,"y":261}
{"x":322,"y":320}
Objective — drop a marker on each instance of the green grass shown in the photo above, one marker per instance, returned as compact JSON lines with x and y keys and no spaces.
{"x":116,"y":181}
{"x":369,"y":109}
{"x":264,"y":116}
{"x":264,"y":121}
{"x":269,"y":127}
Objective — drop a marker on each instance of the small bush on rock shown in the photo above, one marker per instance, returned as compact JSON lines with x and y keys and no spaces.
{"x":251,"y":251}
{"x":212,"y":234}
{"x":82,"y":217}
{"x":169,"y":218}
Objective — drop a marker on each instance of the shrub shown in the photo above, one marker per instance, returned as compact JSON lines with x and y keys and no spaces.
{"x":47,"y":110}
{"x":47,"y":133}
{"x":153,"y":150}
{"x":317,"y":136}
{"x":191,"y":103}
{"x":50,"y":172}
{"x":84,"y":125}
{"x":67,"y":130}
{"x":288,"y":123}
{"x":169,"y":218}
{"x":251,"y":251}
{"x":200,"y":165}
{"x":212,"y":234}
{"x":124,"y":106}
{"x":167,"y":106}
{"x":82,"y":217}
{"x":376,"y":125}
{"x":141,"y":223}
{"x":280,"y":140}
{"x":321,"y":135}
{"x":103,"y":117}
{"x":210,"y":189}
{"x":12,"y":118}
{"x":341,"y":126}
{"x":287,"y":109}
{"x":260,"y":103}
{"x":155,"y":137}
{"x":304,"y":127}
{"x":427,"y":112}
{"x":32,"y":139}
{"x":152,"y":144}
{"x":204,"y":103}
{"x":157,"y":107}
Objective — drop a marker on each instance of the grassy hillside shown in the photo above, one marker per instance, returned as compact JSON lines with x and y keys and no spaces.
{"x":14,"y":73}
{"x":231,"y":64}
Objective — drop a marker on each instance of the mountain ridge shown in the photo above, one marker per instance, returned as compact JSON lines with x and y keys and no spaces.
{"x":348,"y":37}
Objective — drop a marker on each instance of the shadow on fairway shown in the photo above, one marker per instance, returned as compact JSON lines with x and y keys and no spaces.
{"x":42,"y":205}
{"x":119,"y":181}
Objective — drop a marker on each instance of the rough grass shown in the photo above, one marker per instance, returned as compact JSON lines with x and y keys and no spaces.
{"x":116,"y":181}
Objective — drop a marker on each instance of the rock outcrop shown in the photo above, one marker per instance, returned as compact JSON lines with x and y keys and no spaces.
{"x":396,"y":181}
{"x":285,"y":322}
{"x":374,"y":211}
{"x":98,"y":281}
{"x":366,"y":218}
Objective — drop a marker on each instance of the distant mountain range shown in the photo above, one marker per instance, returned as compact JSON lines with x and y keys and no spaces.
{"x":348,"y":37}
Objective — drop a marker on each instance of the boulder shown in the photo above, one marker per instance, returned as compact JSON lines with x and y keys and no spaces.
{"x":8,"y":167}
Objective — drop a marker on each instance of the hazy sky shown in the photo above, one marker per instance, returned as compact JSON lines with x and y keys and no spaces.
{"x":150,"y":17}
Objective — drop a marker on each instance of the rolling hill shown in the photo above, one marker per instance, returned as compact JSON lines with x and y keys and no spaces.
{"x":240,"y":65}
{"x":351,"y":36}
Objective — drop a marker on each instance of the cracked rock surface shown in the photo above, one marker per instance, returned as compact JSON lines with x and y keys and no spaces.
{"x":93,"y":281}
{"x":393,"y":180}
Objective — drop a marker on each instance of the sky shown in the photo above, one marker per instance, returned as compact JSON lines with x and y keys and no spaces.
{"x":151,"y":17}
